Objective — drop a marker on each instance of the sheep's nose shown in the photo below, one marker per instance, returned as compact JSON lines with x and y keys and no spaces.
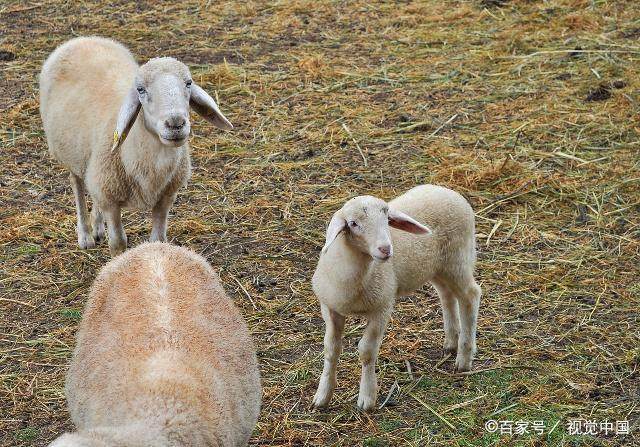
{"x":385,"y":250}
{"x":175,"y":122}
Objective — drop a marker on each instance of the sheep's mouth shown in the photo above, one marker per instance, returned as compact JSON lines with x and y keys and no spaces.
{"x":174,"y":140}
{"x":381,"y":258}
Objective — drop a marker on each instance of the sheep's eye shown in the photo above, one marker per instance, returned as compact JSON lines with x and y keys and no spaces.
{"x":141,"y":90}
{"x":188,"y":83}
{"x":353,"y":224}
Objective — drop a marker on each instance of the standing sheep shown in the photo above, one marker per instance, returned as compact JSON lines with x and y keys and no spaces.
{"x":163,"y":357}
{"x":91,"y":90}
{"x":364,"y":266}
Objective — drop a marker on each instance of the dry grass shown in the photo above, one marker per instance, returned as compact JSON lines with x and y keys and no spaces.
{"x":513,"y":103}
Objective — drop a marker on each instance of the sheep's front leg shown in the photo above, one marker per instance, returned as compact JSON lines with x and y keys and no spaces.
{"x":332,"y":349}
{"x":97,"y":223}
{"x":368,"y":348}
{"x":117,"y":236}
{"x":159,"y":216}
{"x":83,"y":228}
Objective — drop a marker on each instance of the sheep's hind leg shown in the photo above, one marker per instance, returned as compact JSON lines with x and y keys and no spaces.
{"x":468,"y":293}
{"x":450,"y":315}
{"x":83,"y":227}
{"x":368,"y":347}
{"x":332,"y":349}
{"x":97,"y":223}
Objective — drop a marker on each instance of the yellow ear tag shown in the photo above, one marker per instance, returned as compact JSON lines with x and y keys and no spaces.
{"x":116,"y":137}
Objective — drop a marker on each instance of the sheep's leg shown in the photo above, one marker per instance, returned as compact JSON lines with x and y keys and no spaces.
{"x":368,"y":348}
{"x":468,"y":294}
{"x":117,"y":236}
{"x":332,"y":349}
{"x":159,"y":216}
{"x":450,"y":315}
{"x":97,"y":223}
{"x":83,"y":227}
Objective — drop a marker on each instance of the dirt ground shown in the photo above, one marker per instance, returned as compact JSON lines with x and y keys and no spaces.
{"x":528,"y":108}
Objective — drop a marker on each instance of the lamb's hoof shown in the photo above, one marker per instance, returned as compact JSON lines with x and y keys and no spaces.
{"x":319,"y":402}
{"x":462,"y":365}
{"x":449,"y":350}
{"x":323,"y":395}
{"x":366,"y":403}
{"x":86,"y":241}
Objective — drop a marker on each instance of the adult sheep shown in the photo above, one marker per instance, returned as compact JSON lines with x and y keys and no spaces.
{"x":91,"y":87}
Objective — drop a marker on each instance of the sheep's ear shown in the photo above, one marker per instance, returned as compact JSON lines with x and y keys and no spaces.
{"x":337,"y":224}
{"x":401,"y":221}
{"x":126,"y":117}
{"x":207,"y":108}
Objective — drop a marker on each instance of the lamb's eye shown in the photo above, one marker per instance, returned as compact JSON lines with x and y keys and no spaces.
{"x":141,"y":90}
{"x":188,"y":83}
{"x":353,"y":224}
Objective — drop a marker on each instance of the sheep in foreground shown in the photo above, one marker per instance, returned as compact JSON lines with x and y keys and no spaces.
{"x":163,"y":357}
{"x":365,"y":265}
{"x":91,"y":90}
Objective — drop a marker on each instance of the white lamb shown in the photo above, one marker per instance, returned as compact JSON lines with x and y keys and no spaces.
{"x":163,"y":357}
{"x":365,"y":265}
{"x":91,"y":87}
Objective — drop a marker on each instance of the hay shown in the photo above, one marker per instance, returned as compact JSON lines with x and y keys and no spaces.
{"x":330,"y":100}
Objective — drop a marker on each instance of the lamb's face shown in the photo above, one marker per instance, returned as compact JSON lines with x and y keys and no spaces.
{"x":366,"y":221}
{"x":367,"y":226}
{"x":164,"y":88}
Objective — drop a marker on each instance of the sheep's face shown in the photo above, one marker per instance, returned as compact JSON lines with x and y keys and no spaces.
{"x":164,"y":89}
{"x":367,"y":226}
{"x":366,"y":221}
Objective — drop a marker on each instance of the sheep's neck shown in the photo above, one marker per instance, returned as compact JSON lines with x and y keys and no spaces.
{"x":358,"y":266}
{"x":144,"y":149}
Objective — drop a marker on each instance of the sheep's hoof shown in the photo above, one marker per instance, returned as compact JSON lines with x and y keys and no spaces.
{"x":449,"y":350}
{"x":319,"y":403}
{"x":116,"y":249}
{"x":99,"y":236}
{"x":366,"y":403}
{"x":322,"y":397}
{"x":86,"y":241}
{"x":462,"y":365}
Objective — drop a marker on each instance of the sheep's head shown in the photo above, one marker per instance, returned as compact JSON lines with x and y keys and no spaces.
{"x":164,"y":90}
{"x":366,"y":221}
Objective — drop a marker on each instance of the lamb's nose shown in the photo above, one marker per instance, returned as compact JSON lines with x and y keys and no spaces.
{"x":385,"y":249}
{"x":175,"y":122}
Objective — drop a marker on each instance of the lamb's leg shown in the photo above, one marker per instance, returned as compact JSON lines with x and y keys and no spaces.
{"x":117,"y":236}
{"x":97,"y":223}
{"x":468,"y":294}
{"x":450,"y":315}
{"x":159,"y":216}
{"x":332,"y":348}
{"x":83,"y":227}
{"x":368,"y":348}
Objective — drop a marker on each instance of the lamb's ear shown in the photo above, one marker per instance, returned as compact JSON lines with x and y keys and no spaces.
{"x":207,"y":108}
{"x":399,"y":220}
{"x":337,"y":224}
{"x":126,"y":117}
